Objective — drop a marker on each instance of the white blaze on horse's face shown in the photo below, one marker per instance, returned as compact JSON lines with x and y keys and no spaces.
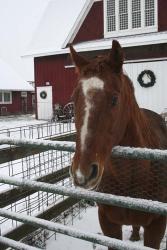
{"x":88,"y":85}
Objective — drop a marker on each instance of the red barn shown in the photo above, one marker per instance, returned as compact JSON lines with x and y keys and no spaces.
{"x":16,"y":95}
{"x":91,"y":25}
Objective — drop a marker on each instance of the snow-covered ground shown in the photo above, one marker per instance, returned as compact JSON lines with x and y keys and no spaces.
{"x":18,"y":121}
{"x":27,"y":127}
{"x":33,"y":166}
{"x":88,"y":222}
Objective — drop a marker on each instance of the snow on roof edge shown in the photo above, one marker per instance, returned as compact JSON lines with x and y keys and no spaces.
{"x":17,"y":90}
{"x":102,"y":44}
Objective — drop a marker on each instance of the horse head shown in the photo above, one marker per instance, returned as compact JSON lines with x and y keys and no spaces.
{"x":102,"y":108}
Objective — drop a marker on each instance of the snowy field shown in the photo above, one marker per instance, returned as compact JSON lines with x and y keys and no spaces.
{"x":88,"y":222}
{"x":33,"y":166}
{"x":21,"y":126}
{"x":18,"y":121}
{"x":27,"y":127}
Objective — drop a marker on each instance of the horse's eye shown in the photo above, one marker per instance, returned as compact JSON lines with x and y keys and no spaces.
{"x":114,"y":100}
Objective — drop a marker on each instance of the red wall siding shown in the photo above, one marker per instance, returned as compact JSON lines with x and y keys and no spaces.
{"x":162,"y":15}
{"x":63,"y":80}
{"x":51,"y":69}
{"x":29,"y":102}
{"x":92,"y":27}
{"x":16,"y":106}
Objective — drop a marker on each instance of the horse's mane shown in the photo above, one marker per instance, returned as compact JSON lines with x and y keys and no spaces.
{"x":147,"y":135}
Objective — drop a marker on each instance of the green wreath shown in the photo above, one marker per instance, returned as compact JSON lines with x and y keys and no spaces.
{"x":150,"y":74}
{"x":43,"y":94}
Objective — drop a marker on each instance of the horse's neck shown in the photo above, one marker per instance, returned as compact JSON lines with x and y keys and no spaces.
{"x":138,"y":132}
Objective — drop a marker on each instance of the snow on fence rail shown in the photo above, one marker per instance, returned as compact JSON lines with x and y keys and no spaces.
{"x":118,"y":151}
{"x":109,"y":199}
{"x":16,"y":245}
{"x":76,"y":233}
{"x":121,"y":201}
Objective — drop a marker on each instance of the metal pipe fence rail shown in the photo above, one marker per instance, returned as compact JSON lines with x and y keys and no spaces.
{"x":139,"y":204}
{"x":118,"y":151}
{"x":16,"y":245}
{"x":56,"y":227}
{"x":108,"y":199}
{"x":120,"y":201}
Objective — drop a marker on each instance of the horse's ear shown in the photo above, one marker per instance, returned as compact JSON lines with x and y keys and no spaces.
{"x":116,"y":56}
{"x":78,"y":60}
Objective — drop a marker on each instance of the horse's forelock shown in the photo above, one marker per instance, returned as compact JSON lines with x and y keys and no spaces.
{"x":98,"y":66}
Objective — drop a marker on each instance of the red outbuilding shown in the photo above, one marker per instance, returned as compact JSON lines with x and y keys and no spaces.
{"x":90,"y":25}
{"x":16,"y":95}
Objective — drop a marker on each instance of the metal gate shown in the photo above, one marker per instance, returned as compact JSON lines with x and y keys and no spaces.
{"x":120,"y":201}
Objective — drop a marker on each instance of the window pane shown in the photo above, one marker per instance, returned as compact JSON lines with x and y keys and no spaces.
{"x":123,"y":6}
{"x":136,"y":13}
{"x":111,"y":21}
{"x":149,"y":4}
{"x":149,"y":13}
{"x":0,"y":96}
{"x":123,"y":14}
{"x":149,"y":18}
{"x":123,"y":22}
{"x":7,"y":97}
{"x":136,"y":5}
{"x":110,"y":7}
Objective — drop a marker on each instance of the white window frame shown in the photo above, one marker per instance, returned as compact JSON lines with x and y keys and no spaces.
{"x":3,"y":102}
{"x":130,"y":30}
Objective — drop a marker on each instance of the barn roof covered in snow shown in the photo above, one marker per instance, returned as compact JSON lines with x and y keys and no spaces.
{"x":11,"y":80}
{"x":102,"y":44}
{"x":60,"y":21}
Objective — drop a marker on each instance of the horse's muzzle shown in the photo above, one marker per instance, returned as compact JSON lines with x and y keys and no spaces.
{"x":88,"y":181}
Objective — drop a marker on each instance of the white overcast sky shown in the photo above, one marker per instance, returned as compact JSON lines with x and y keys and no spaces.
{"x":18,"y":21}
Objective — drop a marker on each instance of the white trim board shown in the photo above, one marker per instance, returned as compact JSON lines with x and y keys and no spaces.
{"x":102,"y":44}
{"x":132,"y":61}
{"x":81,"y":17}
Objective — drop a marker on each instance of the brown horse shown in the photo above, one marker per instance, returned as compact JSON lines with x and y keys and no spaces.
{"x":107,"y":114}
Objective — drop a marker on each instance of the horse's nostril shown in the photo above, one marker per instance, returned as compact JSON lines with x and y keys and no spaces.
{"x":94,"y":171}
